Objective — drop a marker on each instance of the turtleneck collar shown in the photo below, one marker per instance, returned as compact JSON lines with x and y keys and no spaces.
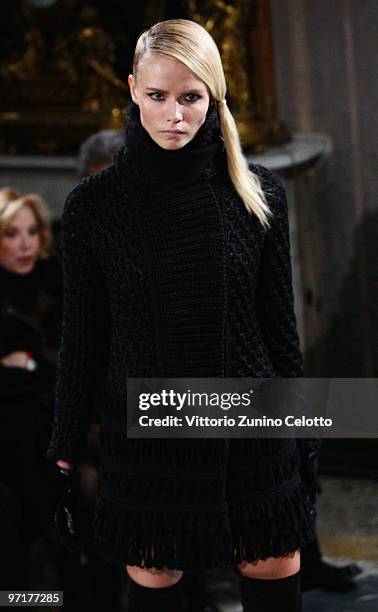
{"x":14,"y":280}
{"x":18,"y":290}
{"x":201,"y":157}
{"x":21,"y":290}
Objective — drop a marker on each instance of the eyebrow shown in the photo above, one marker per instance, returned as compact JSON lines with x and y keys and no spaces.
{"x":191,"y":89}
{"x":14,"y":227}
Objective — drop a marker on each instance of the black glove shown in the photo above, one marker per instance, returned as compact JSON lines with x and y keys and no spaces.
{"x":65,"y":517}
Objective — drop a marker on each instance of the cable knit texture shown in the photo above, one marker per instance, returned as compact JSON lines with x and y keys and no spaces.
{"x":167,"y":274}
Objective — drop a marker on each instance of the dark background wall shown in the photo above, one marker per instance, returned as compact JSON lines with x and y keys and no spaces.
{"x":327,"y":81}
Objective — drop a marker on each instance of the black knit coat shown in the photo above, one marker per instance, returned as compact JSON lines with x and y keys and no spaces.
{"x":167,"y":275}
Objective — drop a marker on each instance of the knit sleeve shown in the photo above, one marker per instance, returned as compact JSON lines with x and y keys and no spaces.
{"x":275,"y":299}
{"x":83,"y":341}
{"x":275,"y":303}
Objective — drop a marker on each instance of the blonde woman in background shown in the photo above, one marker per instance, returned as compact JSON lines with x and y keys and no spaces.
{"x":29,"y":269}
{"x":30,"y":328}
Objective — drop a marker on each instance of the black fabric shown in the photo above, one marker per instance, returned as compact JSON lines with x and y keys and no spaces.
{"x":30,"y":307}
{"x":311,"y":555}
{"x":141,"y":598}
{"x":30,"y":320}
{"x":283,"y":594}
{"x":13,"y":559}
{"x":167,"y":274}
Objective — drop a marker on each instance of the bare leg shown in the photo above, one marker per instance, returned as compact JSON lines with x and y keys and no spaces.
{"x":154,"y":578}
{"x":154,"y":590}
{"x":272,"y":568}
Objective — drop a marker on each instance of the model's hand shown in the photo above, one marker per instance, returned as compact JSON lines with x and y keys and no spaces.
{"x":65,"y":518}
{"x":17,"y":359}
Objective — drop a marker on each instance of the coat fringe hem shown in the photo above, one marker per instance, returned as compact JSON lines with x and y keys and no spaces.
{"x":253,"y":530}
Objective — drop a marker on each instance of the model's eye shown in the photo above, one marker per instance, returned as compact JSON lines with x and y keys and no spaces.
{"x":34,"y":230}
{"x":10,"y":233}
{"x":156,"y":93}
{"x":189,"y":97}
{"x":196,"y":97}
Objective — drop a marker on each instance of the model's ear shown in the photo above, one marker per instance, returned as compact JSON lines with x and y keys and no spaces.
{"x":132,"y":86}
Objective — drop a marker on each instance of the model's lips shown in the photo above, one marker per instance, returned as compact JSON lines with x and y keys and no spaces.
{"x":173,"y":132}
{"x":25,"y":260}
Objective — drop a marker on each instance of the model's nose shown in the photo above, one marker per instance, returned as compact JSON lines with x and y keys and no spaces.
{"x":25,"y":241}
{"x":175,"y":112}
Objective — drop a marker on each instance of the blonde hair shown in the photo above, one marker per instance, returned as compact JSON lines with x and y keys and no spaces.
{"x":11,"y":202}
{"x":189,"y":43}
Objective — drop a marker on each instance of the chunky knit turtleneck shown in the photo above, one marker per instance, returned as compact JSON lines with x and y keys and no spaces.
{"x":169,"y":169}
{"x":183,"y":244}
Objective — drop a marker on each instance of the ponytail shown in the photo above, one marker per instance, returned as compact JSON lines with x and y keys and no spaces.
{"x":246,"y":183}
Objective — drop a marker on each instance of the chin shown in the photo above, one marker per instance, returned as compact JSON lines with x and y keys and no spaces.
{"x":24,"y":269}
{"x":172,"y":145}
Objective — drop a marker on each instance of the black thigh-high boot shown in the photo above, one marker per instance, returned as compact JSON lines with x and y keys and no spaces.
{"x":278,"y":595}
{"x":151,"y":599}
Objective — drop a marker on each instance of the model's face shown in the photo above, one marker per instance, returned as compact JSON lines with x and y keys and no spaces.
{"x":20,"y":242}
{"x":173,"y":102}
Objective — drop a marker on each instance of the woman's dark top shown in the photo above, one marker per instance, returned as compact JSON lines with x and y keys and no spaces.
{"x":168,"y":275}
{"x":30,"y":321}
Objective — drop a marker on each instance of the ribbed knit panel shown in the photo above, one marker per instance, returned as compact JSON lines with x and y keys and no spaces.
{"x":183,"y":242}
